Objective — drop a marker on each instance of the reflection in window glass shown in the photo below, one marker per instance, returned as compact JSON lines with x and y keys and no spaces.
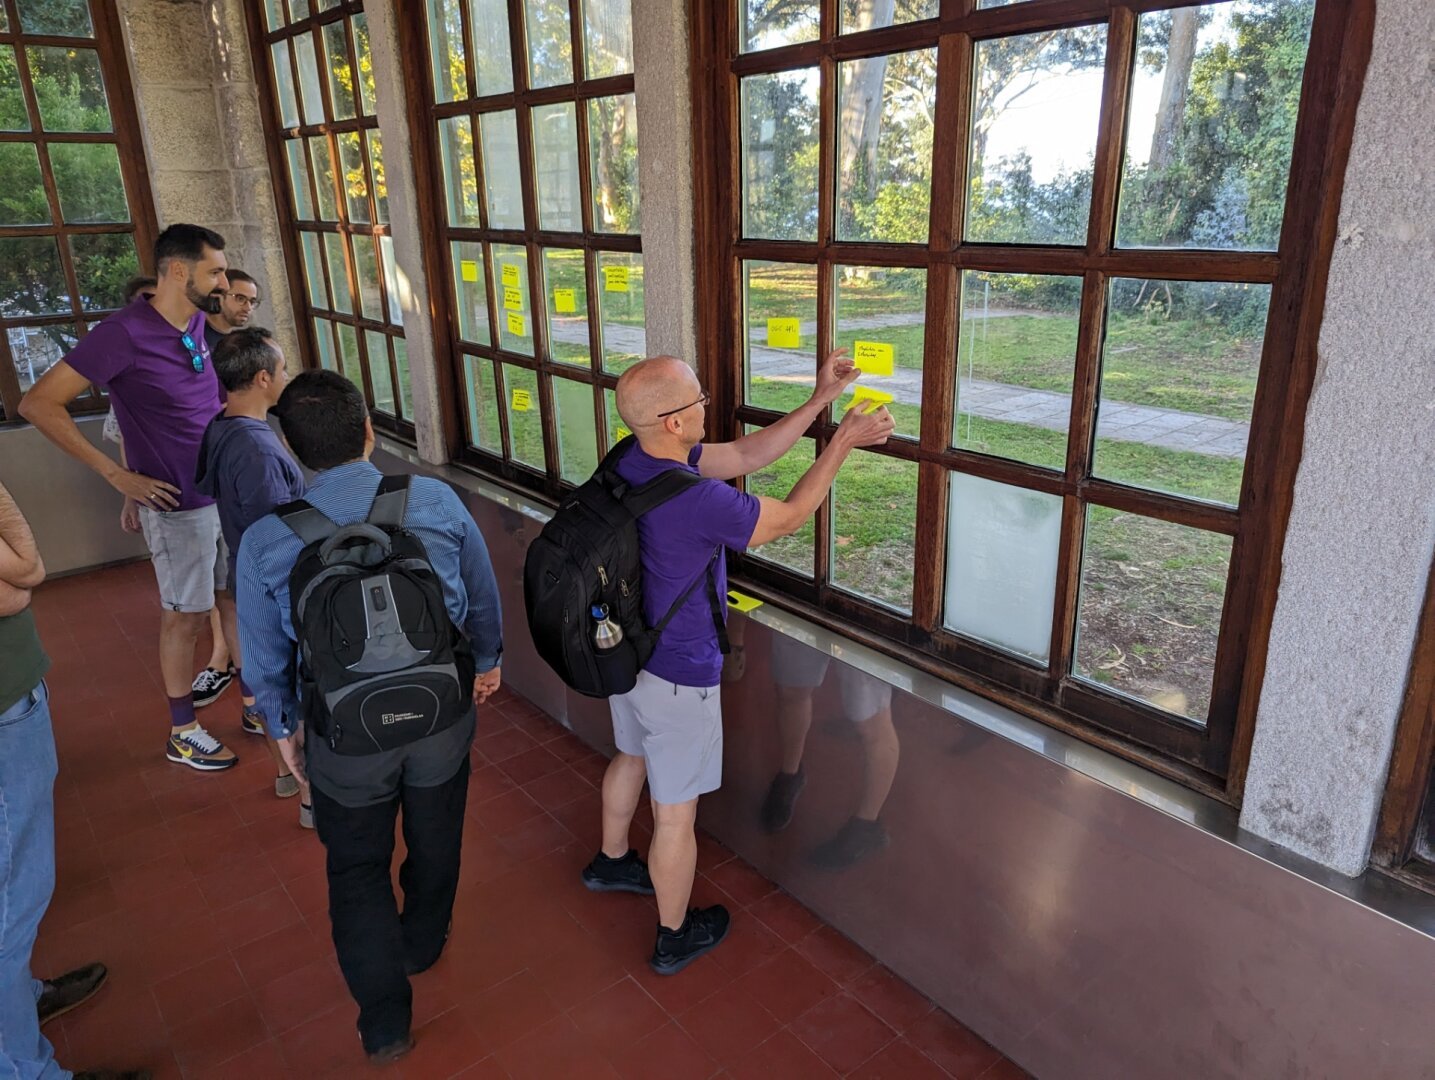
{"x":764,"y":25}
{"x":309,"y":91}
{"x":34,"y":283}
{"x":525,"y":426}
{"x":299,"y":179}
{"x":341,"y":74}
{"x":13,"y":115}
{"x":1016,"y":358}
{"x":565,"y":291}
{"x":471,"y":289}
{"x":368,"y":95}
{"x":62,"y":18}
{"x":1002,"y":546}
{"x":607,"y":37}
{"x":284,"y":81}
{"x":379,"y":374}
{"x":1213,"y":111}
{"x":89,"y":183}
{"x":338,"y":273}
{"x":550,"y":47}
{"x":886,"y":107}
{"x":780,"y":302}
{"x":460,"y":181}
{"x":69,"y":88}
{"x":882,"y":322}
{"x":615,"y":430}
{"x":366,"y":269}
{"x":24,"y":202}
{"x":401,"y":364}
{"x":874,"y":528}
{"x":381,"y":184}
{"x":481,"y":388}
{"x":500,"y":170}
{"x":1027,"y":187}
{"x":779,"y":155}
{"x":1150,"y":609}
{"x":577,"y":436}
{"x":613,"y":158}
{"x":450,"y":74}
{"x":776,"y":481}
{"x":859,"y":15}
{"x":274,"y":14}
{"x":391,"y":280}
{"x":1178,"y":385}
{"x":324,"y":342}
{"x":620,"y":310}
{"x":510,"y":288}
{"x":322,"y":157}
{"x":36,"y":349}
{"x":298,"y":10}
{"x":314,"y":270}
{"x":356,"y":182}
{"x":488,"y":22}
{"x":555,"y":154}
{"x":350,"y":364}
{"x":104,"y":264}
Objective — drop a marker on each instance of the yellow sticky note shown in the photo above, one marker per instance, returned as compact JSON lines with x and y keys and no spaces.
{"x":468,"y":269}
{"x":873,"y":357}
{"x":615,"y":278}
{"x":621,"y":432}
{"x":741,"y":601}
{"x":516,"y":326}
{"x":510,"y":274}
{"x":512,"y":298}
{"x":565,"y":302}
{"x":784,"y":333}
{"x":877,"y":398}
{"x":522,"y":400}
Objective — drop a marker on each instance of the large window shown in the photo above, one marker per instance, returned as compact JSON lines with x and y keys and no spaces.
{"x":1062,"y":241}
{"x":328,"y":159}
{"x":534,"y":129}
{"x":74,"y":200}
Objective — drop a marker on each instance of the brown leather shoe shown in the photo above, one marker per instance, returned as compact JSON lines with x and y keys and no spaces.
{"x":387,"y":1055}
{"x":70,"y":990}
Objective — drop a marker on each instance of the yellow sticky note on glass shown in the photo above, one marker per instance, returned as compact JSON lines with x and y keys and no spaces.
{"x":512,"y":298}
{"x":468,"y":269}
{"x":615,"y":278}
{"x":876,"y":398}
{"x":621,"y":432}
{"x":741,"y":601}
{"x":510,"y":274}
{"x":873,"y":357}
{"x":516,"y":326}
{"x":784,"y":333}
{"x":522,"y":401}
{"x":564,"y":301}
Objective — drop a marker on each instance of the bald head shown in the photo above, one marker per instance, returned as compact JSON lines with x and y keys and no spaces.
{"x":654,"y":386}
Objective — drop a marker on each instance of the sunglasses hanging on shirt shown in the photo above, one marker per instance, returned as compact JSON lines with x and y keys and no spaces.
{"x":196,"y":358}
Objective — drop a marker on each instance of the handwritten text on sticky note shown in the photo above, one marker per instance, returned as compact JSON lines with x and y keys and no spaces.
{"x":468,"y":269}
{"x":510,"y":274}
{"x":784,"y":333}
{"x":516,"y":325}
{"x":873,"y":357}
{"x":564,"y":301}
{"x":522,"y":401}
{"x":512,"y":298}
{"x":615,"y":278}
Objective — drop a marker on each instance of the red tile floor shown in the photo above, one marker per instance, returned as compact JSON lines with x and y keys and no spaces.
{"x":208,"y":903}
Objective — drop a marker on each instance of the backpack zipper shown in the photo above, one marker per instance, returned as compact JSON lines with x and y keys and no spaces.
{"x":603,"y":574}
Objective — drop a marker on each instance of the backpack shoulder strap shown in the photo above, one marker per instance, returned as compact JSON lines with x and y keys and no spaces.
{"x":671,"y":483}
{"x":391,"y":501}
{"x":709,"y":578}
{"x":308,"y":524}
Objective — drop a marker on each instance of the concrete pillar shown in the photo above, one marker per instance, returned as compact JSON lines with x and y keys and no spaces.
{"x":1358,"y":550}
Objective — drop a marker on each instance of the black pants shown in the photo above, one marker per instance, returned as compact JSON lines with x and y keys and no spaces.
{"x":373,"y":940}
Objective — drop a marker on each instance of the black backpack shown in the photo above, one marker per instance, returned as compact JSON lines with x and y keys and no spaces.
{"x":587,"y":556}
{"x":381,"y":664}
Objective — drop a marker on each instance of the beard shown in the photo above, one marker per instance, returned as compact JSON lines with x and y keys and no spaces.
{"x":206,"y":302}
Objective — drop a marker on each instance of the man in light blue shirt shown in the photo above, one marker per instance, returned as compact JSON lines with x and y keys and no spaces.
{"x":357,"y":797}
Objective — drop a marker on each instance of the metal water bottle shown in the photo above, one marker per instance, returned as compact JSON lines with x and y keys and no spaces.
{"x":608,"y":634}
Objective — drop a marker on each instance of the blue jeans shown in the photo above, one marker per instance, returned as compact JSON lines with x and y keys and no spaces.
{"x":27,"y":870}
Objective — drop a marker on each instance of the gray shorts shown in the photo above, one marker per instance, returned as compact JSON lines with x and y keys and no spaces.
{"x":797,"y":666}
{"x":190,"y":561}
{"x":677,"y":730}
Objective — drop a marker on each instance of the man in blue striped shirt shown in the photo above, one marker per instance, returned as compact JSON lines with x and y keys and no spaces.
{"x":357,"y":797}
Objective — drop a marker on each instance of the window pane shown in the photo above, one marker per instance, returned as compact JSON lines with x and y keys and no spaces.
{"x":460,"y":181}
{"x":471,"y":289}
{"x":401,"y":363}
{"x":1033,"y":136}
{"x":349,"y":362}
{"x":510,"y":287}
{"x":23,"y":201}
{"x":555,"y":153}
{"x":500,"y":170}
{"x":338,"y":273}
{"x":273,"y":14}
{"x":780,"y":300}
{"x":1213,"y":111}
{"x":577,"y":437}
{"x":779,"y":155}
{"x":324,"y":341}
{"x":364,"y":57}
{"x":859,"y":15}
{"x":885,"y":107}
{"x":776,"y":482}
{"x":341,"y":74}
{"x":450,"y":74}
{"x":381,"y":184}
{"x":356,"y":183}
{"x":13,"y":116}
{"x":1178,"y":385}
{"x":366,"y":269}
{"x":1016,"y":358}
{"x":378,"y":347}
{"x":32,"y":281}
{"x":1150,"y":612}
{"x":874,"y":528}
{"x":613,"y":157}
{"x":89,"y":183}
{"x":616,"y":432}
{"x":525,"y":424}
{"x":299,"y":179}
{"x":298,"y":10}
{"x":309,"y":89}
{"x":565,"y":289}
{"x":63,"y":18}
{"x":882,"y":321}
{"x":607,"y":37}
{"x":322,"y":158}
{"x":36,"y":349}
{"x":104,"y":264}
{"x":69,"y":88}
{"x":488,"y":22}
{"x":550,"y":48}
{"x":284,"y":81}
{"x":482,"y":391}
{"x":314,"y":271}
{"x":1002,"y":546}
{"x":764,"y":25}
{"x":620,"y":310}
{"x":391,"y":280}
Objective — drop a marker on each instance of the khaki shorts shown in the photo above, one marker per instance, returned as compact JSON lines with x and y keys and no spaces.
{"x":190,"y":560}
{"x":677,"y":730}
{"x":798,"y":666}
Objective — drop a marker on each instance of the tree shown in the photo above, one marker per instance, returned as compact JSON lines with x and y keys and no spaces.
{"x":1180,"y":54}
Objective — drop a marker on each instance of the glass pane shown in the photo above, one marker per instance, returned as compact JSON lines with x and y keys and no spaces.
{"x":874,"y":528}
{"x":555,"y":154}
{"x":1178,"y":385}
{"x":104,"y":264}
{"x":273,"y":14}
{"x":32,"y":280}
{"x":780,"y":300}
{"x":460,"y":181}
{"x":500,"y":170}
{"x":488,"y":22}
{"x":1213,"y":111}
{"x":1033,"y":136}
{"x":779,"y":155}
{"x":615,"y":430}
{"x":63,"y":18}
{"x":401,"y":363}
{"x":299,"y":179}
{"x":379,"y":375}
{"x":1150,"y":610}
{"x":550,"y":48}
{"x":1016,"y":358}
{"x":13,"y":116}
{"x":525,"y":424}
{"x":309,"y":89}
{"x":510,"y":287}
{"x":565,"y":285}
{"x":284,"y":81}
{"x":298,"y":10}
{"x":338,"y":273}
{"x":885,"y":107}
{"x":577,"y":436}
{"x":349,"y":362}
{"x":341,"y":73}
{"x":1002,"y":546}
{"x":356,"y":183}
{"x":323,"y":161}
{"x":314,"y":271}
{"x":471,"y":288}
{"x":89,"y":183}
{"x":882,"y":321}
{"x":482,"y":391}
{"x":4,"y":19}
{"x":381,"y":184}
{"x":859,"y":15}
{"x":765,"y":25}
{"x":364,"y":57}
{"x":324,"y":341}
{"x":450,"y":73}
{"x":69,"y":88}
{"x":620,"y":310}
{"x":776,"y":482}
{"x":391,"y":280}
{"x":23,"y":200}
{"x":607,"y":37}
{"x":366,"y":269}
{"x":36,"y":349}
{"x":613,"y":157}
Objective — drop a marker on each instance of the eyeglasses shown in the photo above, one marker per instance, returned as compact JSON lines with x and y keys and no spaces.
{"x":240,"y":298}
{"x":196,"y":358}
{"x":700,"y":401}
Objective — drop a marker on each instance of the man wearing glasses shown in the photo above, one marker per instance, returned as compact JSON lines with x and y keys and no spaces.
{"x":152,"y":358}
{"x":236,"y":307}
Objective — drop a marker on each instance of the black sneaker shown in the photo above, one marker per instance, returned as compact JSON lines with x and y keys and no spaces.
{"x":418,"y":967}
{"x":209,"y":684}
{"x":386,"y":1055}
{"x":628,"y":874}
{"x":781,"y":798}
{"x":114,"y":1074}
{"x":69,"y":991}
{"x":854,"y":842}
{"x":702,"y":932}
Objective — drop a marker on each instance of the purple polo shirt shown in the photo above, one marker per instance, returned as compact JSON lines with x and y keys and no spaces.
{"x":676,"y":541}
{"x":162,"y":404}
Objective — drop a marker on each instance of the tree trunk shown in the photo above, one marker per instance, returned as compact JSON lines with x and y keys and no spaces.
{"x":1175,"y":87}
{"x":860,"y":109}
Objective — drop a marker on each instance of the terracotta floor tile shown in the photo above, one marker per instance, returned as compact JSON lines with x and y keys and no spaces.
{"x":782,"y":1057}
{"x":267,"y":958}
{"x":678,"y":993}
{"x":487,"y":1069}
{"x":557,"y":1049}
{"x":899,"y":1060}
{"x":299,"y":994}
{"x":741,"y":881}
{"x":669,"y":1053}
{"x":530,"y":765}
{"x":728,"y":1025}
{"x":890,"y":997}
{"x":838,"y":957}
{"x":505,"y":812}
{"x":557,"y":788}
{"x":445,"y":1045}
{"x":785,"y":916}
{"x":324,"y":1044}
{"x":199,"y":989}
{"x":264,"y":1060}
{"x":618,"y":1017}
{"x":749,"y":944}
{"x":509,"y":1011}
{"x":206,"y":1039}
{"x":238,"y":881}
{"x":500,"y":745}
{"x":1006,"y":1069}
{"x":787,"y":985}
{"x":956,"y":1049}
{"x":842,"y":1032}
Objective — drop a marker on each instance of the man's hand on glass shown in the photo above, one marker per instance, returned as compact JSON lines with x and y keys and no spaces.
{"x":838,"y":372}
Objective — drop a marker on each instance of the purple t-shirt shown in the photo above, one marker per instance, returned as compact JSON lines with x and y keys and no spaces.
{"x":676,"y":541}
{"x":162,"y":404}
